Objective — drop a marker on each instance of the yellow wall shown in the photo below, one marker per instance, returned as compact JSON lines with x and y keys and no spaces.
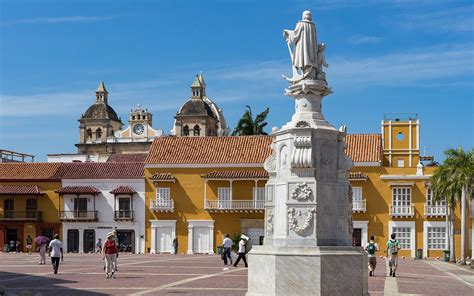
{"x":378,"y":195}
{"x":46,"y":203}
{"x":188,"y":195}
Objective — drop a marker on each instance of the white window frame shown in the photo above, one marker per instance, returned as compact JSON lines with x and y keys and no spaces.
{"x":403,"y":199}
{"x":429,"y":198}
{"x":400,"y":163}
{"x":224,"y":201}
{"x":259,"y":197}
{"x":407,"y":224}
{"x":165,"y":198}
{"x":426,"y":225}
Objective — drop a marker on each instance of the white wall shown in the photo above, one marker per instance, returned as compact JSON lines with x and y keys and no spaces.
{"x":104,"y":205}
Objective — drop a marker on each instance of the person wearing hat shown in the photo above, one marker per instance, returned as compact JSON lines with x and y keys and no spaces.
{"x":241,"y":252}
{"x":110,"y":255}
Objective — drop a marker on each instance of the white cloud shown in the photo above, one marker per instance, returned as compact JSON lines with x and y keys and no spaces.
{"x":62,"y":19}
{"x":424,"y":67}
{"x":361,"y":39}
{"x":458,"y":19}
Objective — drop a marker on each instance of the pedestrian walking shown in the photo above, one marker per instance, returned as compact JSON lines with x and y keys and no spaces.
{"x":42,"y":252}
{"x":114,"y":232}
{"x":98,"y":245}
{"x":371,"y":248}
{"x":56,"y":252}
{"x":29,"y":244}
{"x":110,"y":255}
{"x":227,"y":247}
{"x":18,"y":246}
{"x":242,"y":250}
{"x":175,"y":245}
{"x":392,"y":251}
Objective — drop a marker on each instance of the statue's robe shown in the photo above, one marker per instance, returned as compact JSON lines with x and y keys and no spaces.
{"x":306,"y":45}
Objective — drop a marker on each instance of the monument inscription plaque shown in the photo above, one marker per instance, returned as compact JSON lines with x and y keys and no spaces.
{"x":308,"y":244}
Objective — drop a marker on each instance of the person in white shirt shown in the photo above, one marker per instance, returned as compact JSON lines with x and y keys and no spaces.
{"x":371,"y":248}
{"x":56,"y":252}
{"x":227,"y":247}
{"x":241,"y":252}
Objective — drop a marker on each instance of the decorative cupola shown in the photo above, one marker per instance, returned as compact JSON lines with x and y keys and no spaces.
{"x":101,"y":94}
{"x":197,"y":88}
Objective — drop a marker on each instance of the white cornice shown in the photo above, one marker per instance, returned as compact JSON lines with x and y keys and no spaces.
{"x":367,"y":164}
{"x":205,"y":165}
{"x":405,"y":177}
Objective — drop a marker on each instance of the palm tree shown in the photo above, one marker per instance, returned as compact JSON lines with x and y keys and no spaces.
{"x":249,"y":126}
{"x":461,"y":164}
{"x":444,"y":190}
{"x":454,"y":180}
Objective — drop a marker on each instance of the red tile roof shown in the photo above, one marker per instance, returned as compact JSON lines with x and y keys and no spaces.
{"x":135,"y":157}
{"x":243,"y":175}
{"x":209,"y":150}
{"x":28,"y":171}
{"x":102,"y":170}
{"x":364,"y":147}
{"x":123,"y":190}
{"x":162,"y":177}
{"x":357,"y":176}
{"x":78,"y":190}
{"x":20,"y":190}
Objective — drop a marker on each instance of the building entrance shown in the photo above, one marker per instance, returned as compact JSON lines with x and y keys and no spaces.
{"x":73,"y":241}
{"x":126,"y":240}
{"x":89,"y":241}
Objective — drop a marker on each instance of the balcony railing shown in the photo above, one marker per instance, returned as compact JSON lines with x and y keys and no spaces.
{"x":122,"y":215}
{"x":235,"y":205}
{"x":402,"y":211}
{"x":162,"y":205}
{"x":358,"y":206}
{"x":78,"y":215}
{"x":435,"y":210}
{"x":35,"y":216}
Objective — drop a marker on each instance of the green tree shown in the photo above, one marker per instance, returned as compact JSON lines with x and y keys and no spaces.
{"x":453,"y":180}
{"x":247,"y":125}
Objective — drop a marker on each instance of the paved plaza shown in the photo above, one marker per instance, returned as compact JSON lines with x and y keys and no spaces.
{"x":81,"y":274}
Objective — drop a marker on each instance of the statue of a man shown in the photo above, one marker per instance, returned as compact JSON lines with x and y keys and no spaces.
{"x":305,"y":55}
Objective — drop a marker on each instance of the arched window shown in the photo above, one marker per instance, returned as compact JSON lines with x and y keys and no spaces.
{"x":197,"y":130}
{"x":98,"y":133}
{"x":185,"y":131}
{"x":89,"y":134}
{"x":31,"y":207}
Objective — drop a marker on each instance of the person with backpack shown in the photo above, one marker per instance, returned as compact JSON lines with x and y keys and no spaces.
{"x":371,"y":248}
{"x":392,"y":252}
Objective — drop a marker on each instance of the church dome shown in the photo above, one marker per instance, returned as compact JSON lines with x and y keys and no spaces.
{"x":101,"y":111}
{"x":196,"y":107}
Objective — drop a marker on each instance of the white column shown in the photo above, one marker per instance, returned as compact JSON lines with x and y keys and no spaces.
{"x":410,"y":143}
{"x":153,"y":240}
{"x":211,"y":239}
{"x":81,"y":242}
{"x":205,"y":193}
{"x":190,"y":239}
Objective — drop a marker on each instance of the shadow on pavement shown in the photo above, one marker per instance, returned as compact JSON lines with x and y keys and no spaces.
{"x":12,"y":284}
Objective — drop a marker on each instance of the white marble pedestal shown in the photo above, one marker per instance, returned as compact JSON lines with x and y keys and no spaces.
{"x":307,"y":271}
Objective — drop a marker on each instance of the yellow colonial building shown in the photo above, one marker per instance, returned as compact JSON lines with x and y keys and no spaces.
{"x":28,"y":201}
{"x":200,"y":188}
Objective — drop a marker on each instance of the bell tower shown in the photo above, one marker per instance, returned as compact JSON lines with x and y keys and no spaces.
{"x":102,"y":95}
{"x":401,"y":139}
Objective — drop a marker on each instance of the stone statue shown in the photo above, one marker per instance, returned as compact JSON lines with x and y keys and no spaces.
{"x":322,"y":61}
{"x":305,"y":55}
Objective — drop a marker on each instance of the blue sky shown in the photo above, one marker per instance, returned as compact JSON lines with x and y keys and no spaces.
{"x":384,"y":56}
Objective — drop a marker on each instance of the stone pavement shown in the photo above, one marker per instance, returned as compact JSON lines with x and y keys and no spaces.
{"x":82,"y":274}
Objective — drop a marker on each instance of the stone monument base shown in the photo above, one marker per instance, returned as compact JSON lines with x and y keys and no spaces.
{"x":307,"y":271}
